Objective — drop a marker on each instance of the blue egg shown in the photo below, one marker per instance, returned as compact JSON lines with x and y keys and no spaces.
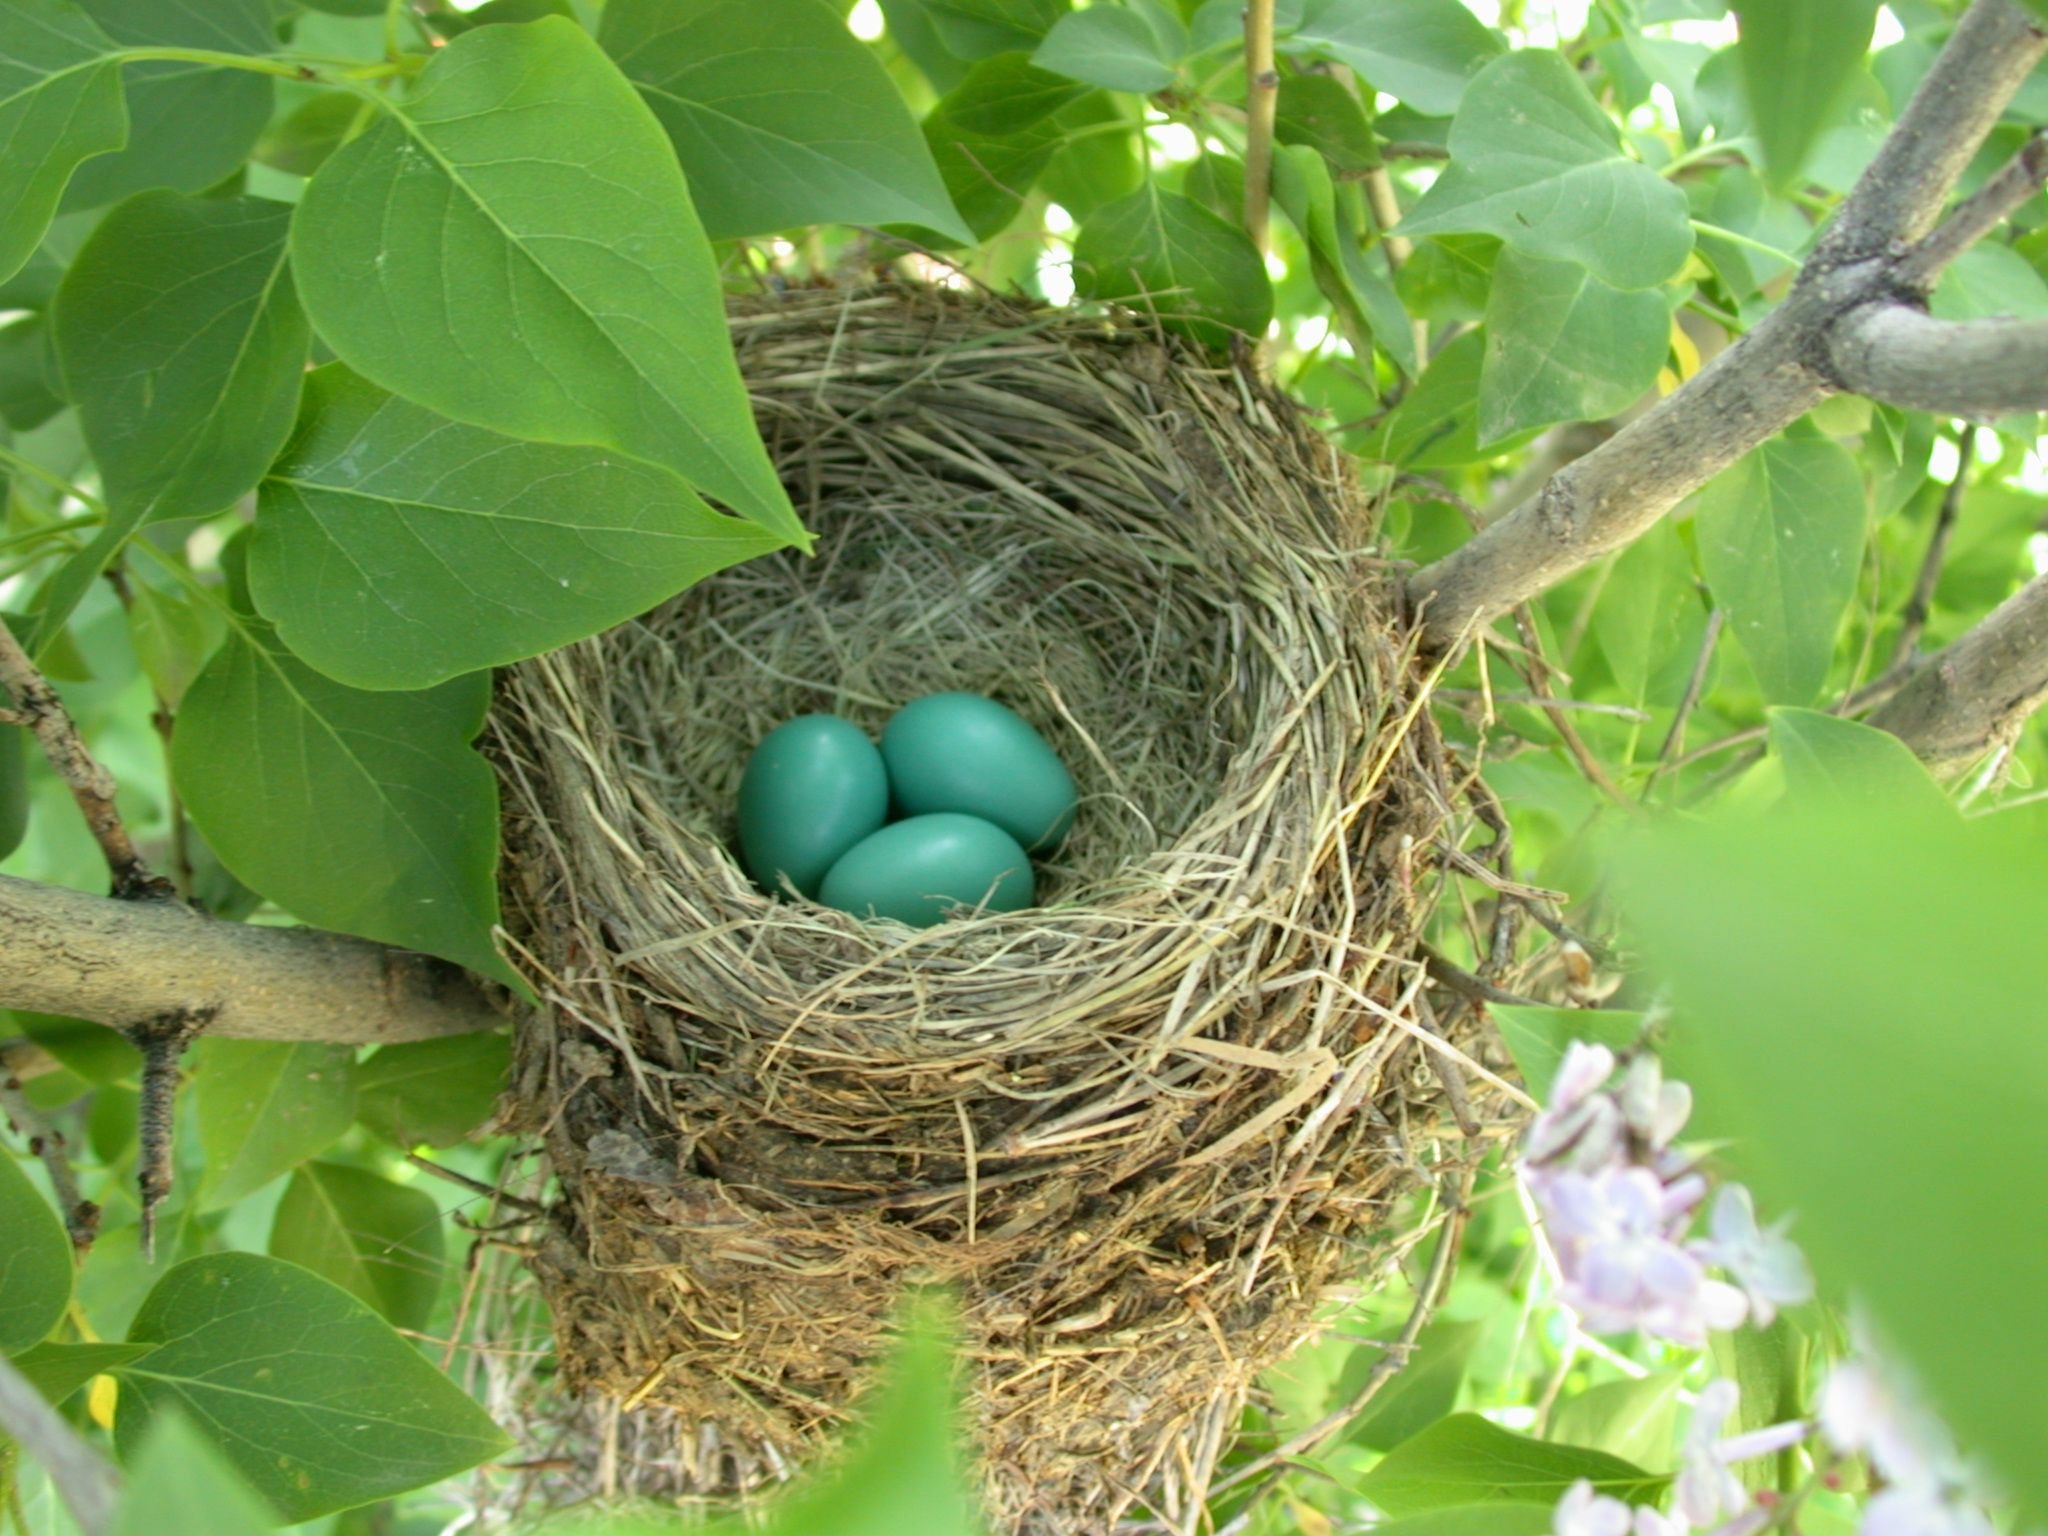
{"x":917,"y":869}
{"x":962,"y":752}
{"x":814,"y":787}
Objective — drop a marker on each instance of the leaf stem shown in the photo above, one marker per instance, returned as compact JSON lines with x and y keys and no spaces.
{"x":52,"y":479}
{"x":1262,"y":101}
{"x":1716,"y":232}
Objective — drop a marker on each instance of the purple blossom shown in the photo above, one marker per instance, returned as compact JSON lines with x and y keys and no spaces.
{"x":1706,"y":1489}
{"x":1584,"y":1512}
{"x":1864,"y":1410}
{"x":1580,"y":1124}
{"x":1765,"y":1263}
{"x":1921,"y":1510}
{"x":1622,"y":1269}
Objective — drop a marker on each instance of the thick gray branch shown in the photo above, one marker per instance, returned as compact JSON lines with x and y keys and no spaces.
{"x":1976,"y":368}
{"x":1963,"y":701}
{"x":1988,"y":57}
{"x":1602,"y":501}
{"x":125,"y":963}
{"x":1787,"y":364}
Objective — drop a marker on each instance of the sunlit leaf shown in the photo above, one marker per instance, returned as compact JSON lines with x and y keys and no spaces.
{"x":1423,"y":51}
{"x":1466,"y":1459}
{"x":1535,"y":161}
{"x":512,"y":246}
{"x":1112,"y":47}
{"x":1780,"y":539}
{"x":395,"y":548}
{"x":1166,"y":255}
{"x":1818,"y":43}
{"x":178,"y":1484}
{"x":780,"y":115}
{"x":379,"y":1241}
{"x":1561,"y":345}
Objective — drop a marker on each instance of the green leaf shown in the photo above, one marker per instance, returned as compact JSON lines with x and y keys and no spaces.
{"x":374,"y":817}
{"x":28,"y":374}
{"x":1634,"y":1419}
{"x":377,"y":1240}
{"x":189,"y":126}
{"x":1561,"y":345}
{"x":1768,"y":1366}
{"x":1091,"y":169}
{"x":13,"y":787}
{"x":1423,"y":51}
{"x":901,"y":1476}
{"x":266,"y":1106}
{"x":179,"y":1485}
{"x":182,"y":341}
{"x":1537,"y":1037}
{"x":779,"y":115}
{"x":1818,"y":43}
{"x":1840,"y":974}
{"x":301,"y":143}
{"x":60,"y":102}
{"x":182,"y":344}
{"x":1364,"y":299}
{"x":980,"y":29}
{"x":311,"y":1395}
{"x":395,"y":548}
{"x":96,"y":1053}
{"x":994,"y":133}
{"x":513,"y":246}
{"x":1536,"y":161}
{"x":1111,"y":47}
{"x":1829,"y":759}
{"x":1649,"y":604}
{"x":1437,"y":426}
{"x":1421,"y":1393}
{"x":1469,"y":1460}
{"x":1167,"y":255}
{"x":1989,"y":281}
{"x":1320,"y":113}
{"x":1780,"y":541}
{"x":58,"y":1370}
{"x":35,"y":1261}
{"x":174,"y":636}
{"x":432,"y":1092}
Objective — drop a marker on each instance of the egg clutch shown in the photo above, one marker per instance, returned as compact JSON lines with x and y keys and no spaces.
{"x":975,"y":789}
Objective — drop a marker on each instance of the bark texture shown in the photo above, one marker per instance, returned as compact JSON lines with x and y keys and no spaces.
{"x":1963,"y":702}
{"x":128,"y":964}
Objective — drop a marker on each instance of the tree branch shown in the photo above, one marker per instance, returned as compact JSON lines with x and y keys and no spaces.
{"x":1974,"y":696}
{"x":1841,"y":327}
{"x":1975,"y":368}
{"x":1977,"y":215}
{"x":1262,"y":103}
{"x":123,"y":963}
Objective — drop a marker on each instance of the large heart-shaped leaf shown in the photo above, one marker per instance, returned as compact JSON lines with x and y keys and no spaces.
{"x":1465,"y":1459}
{"x":512,"y":245}
{"x":395,"y":548}
{"x":1561,"y":345}
{"x":365,"y":812}
{"x":1536,"y":161}
{"x":1423,"y":51}
{"x":1168,"y":255}
{"x":377,"y":1240}
{"x":779,"y":115}
{"x":310,"y":1395}
{"x":265,"y":1106}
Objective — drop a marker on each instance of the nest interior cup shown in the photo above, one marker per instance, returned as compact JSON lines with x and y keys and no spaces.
{"x":1141,"y":1128}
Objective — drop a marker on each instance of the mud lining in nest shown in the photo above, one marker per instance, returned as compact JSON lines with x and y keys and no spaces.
{"x":1144,"y":1127}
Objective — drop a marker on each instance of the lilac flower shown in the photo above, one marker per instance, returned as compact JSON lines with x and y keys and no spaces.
{"x":1766,"y":1264}
{"x":1706,"y":1489}
{"x":1583,"y":1512}
{"x":1621,"y":1268}
{"x":1921,"y":1510}
{"x":1863,"y":1411}
{"x":1655,"y":1111}
{"x":1580,"y":1123}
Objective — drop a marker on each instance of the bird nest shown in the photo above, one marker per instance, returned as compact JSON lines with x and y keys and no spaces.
{"x":1142,"y":1128}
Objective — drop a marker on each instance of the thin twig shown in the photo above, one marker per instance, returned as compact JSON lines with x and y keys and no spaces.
{"x":476,"y":1186}
{"x":1450,"y":974}
{"x":1976,"y":215}
{"x":1913,"y":623}
{"x":37,"y":704}
{"x":83,"y":1477}
{"x":81,"y":1216}
{"x":1538,"y":673}
{"x":1262,"y":103}
{"x":1689,"y":701}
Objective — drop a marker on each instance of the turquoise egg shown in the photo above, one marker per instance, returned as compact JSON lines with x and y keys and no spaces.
{"x":962,"y":752}
{"x":814,"y":787}
{"x":914,"y":870}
